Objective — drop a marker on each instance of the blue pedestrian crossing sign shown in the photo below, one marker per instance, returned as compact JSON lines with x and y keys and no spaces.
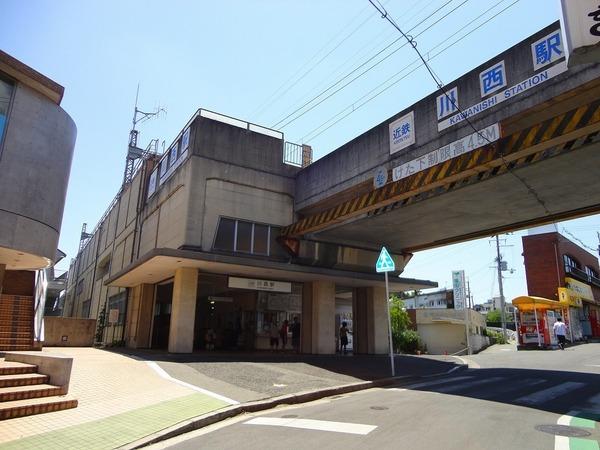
{"x":385,"y":263}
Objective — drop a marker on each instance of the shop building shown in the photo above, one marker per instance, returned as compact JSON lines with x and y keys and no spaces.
{"x":557,"y":269}
{"x":187,"y":255}
{"x":37,"y":138}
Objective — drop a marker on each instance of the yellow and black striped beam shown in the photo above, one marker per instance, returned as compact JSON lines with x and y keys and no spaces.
{"x":559,"y":134}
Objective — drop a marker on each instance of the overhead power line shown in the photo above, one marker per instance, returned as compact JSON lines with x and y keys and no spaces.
{"x":354,"y":107}
{"x":274,"y":97}
{"x":440,"y":84}
{"x":578,"y":240}
{"x":285,"y":122}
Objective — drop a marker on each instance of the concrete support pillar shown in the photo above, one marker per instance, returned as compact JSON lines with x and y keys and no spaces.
{"x":139,"y":316}
{"x":377,"y":321}
{"x":370,"y":321}
{"x":323,"y":317}
{"x":183,"y":311}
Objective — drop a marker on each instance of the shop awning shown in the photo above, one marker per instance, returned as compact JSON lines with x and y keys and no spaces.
{"x":527,"y":303}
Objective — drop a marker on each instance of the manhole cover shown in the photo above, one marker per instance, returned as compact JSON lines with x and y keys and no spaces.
{"x":289,"y":416}
{"x":563,"y":430}
{"x":379,"y":408}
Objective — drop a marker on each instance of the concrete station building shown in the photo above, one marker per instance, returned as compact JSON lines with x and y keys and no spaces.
{"x":37,"y":138}
{"x":190,"y":244}
{"x":193,"y":241}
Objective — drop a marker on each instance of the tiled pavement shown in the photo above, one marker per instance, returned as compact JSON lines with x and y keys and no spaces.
{"x":123,"y":398}
{"x":120,"y":399}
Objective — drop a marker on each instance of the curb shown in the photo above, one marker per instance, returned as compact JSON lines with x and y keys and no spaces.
{"x":261,"y":405}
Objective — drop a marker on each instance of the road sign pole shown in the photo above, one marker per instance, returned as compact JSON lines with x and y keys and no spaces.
{"x":387,"y":298}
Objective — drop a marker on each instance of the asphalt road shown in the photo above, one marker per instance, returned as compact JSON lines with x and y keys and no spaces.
{"x":516,"y":400}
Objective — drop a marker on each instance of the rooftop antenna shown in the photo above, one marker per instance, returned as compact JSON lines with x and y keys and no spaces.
{"x":133,"y":151}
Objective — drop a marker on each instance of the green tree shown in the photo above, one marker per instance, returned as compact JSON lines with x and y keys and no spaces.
{"x":493,"y":316}
{"x":400,"y":321}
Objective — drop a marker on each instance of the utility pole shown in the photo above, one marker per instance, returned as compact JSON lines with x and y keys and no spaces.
{"x":470,"y":300}
{"x":598,"y":233}
{"x":502,"y":306}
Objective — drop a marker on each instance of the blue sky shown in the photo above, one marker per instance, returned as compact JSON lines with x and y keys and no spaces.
{"x":258,"y":60}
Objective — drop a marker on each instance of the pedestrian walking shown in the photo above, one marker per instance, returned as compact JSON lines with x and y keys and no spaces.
{"x":560,"y":330}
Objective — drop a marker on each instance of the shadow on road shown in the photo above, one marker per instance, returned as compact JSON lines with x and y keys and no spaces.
{"x":360,"y":367}
{"x":560,"y":392}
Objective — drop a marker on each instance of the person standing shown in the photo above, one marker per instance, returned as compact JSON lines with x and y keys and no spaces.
{"x":560,"y":330}
{"x":296,"y":334}
{"x":274,"y":335}
{"x":283,"y":334}
{"x":344,"y":337}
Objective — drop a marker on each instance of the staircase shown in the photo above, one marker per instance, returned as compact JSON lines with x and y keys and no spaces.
{"x":24,"y":392}
{"x":16,"y":322}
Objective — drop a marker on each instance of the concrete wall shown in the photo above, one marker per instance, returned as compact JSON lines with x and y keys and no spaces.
{"x":35,"y":162}
{"x":356,"y":161}
{"x":77,"y":332}
{"x":442,"y":337}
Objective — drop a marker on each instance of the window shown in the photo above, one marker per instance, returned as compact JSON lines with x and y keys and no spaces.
{"x":225,"y":235}
{"x":85,"y":309}
{"x":164,"y":164}
{"x":570,"y":262}
{"x":591,"y":272}
{"x":275,"y":249}
{"x":118,"y":302}
{"x":243,"y":241}
{"x":173,"y":154}
{"x":6,"y":89}
{"x":261,"y":239}
{"x":247,"y":237}
{"x":79,"y":288}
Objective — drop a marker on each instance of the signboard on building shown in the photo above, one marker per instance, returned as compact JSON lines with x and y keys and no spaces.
{"x":547,"y":50}
{"x":380,"y":177}
{"x":579,"y":289}
{"x":492,"y":79}
{"x":402,"y":132}
{"x":260,"y":285}
{"x":113,"y":316}
{"x":447,"y":103}
{"x":464,"y":145}
{"x":581,"y":25}
{"x":567,"y":299}
{"x":459,"y":288}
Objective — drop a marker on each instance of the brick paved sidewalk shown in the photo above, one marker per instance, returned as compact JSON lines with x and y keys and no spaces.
{"x":121,"y":399}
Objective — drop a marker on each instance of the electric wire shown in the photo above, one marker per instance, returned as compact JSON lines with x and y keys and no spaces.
{"x":262,"y":108}
{"x":440,"y":84}
{"x":359,"y":55}
{"x":310,"y":136}
{"x":578,"y":240}
{"x":277,"y":124}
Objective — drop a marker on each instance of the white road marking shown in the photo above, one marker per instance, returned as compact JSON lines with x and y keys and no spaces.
{"x":591,"y":405}
{"x":564,"y":420}
{"x":455,"y":388}
{"x":437,"y":382}
{"x":561,"y":443}
{"x":503,"y":390}
{"x":160,"y":371}
{"x":548,"y":394}
{"x":469,"y":363}
{"x":309,"y":424}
